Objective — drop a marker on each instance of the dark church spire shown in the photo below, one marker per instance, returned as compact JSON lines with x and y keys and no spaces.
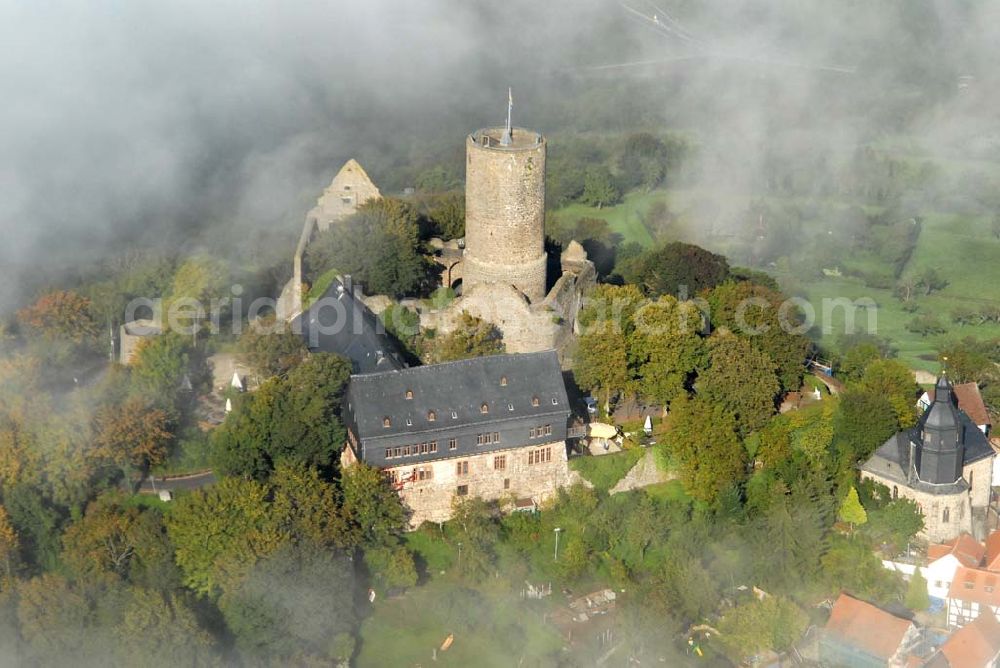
{"x":941,"y":437}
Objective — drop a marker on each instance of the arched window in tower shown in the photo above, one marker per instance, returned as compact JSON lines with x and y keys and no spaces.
{"x":945,"y":515}
{"x":895,"y":492}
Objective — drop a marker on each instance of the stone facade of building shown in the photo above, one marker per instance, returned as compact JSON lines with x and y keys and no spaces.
{"x":947,"y":515}
{"x":533,"y":472}
{"x":505,"y":211}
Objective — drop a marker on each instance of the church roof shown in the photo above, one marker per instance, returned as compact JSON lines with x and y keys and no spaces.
{"x":942,"y":414}
{"x":892,"y":460}
{"x":970,"y":400}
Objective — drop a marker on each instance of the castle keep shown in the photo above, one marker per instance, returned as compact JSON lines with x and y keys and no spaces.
{"x":503,"y":266}
{"x":505,"y":211}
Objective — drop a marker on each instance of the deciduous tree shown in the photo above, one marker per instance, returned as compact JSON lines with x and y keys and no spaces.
{"x":131,"y":436}
{"x":701,"y":442}
{"x":741,"y":379}
{"x":666,"y":347}
{"x":472,"y":337}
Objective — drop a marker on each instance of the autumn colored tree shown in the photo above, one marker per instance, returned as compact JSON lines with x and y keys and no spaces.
{"x":62,"y":315}
{"x":55,"y":621}
{"x":741,"y":379}
{"x":131,"y":436}
{"x":102,"y":541}
{"x":702,"y":446}
{"x":472,"y":337}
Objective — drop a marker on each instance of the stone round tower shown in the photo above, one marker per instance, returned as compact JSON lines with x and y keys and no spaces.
{"x":505,"y":210}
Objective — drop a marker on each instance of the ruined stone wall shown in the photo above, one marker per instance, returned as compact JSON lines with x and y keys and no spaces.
{"x":505,"y":211}
{"x":431,"y":500}
{"x":350,"y":188}
{"x":526,"y":327}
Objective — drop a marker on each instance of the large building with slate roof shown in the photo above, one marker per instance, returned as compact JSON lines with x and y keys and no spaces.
{"x":493,"y":427}
{"x":339,"y":322}
{"x":944,"y":464}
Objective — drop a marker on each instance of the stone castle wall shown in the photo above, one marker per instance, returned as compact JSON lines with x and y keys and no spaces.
{"x":431,"y":500}
{"x":505,"y":211}
{"x":526,"y":327}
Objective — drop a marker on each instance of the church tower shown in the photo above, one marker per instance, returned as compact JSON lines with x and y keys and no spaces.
{"x":942,"y":438}
{"x":505,"y":209}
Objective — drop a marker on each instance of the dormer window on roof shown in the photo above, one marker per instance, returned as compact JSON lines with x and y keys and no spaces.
{"x":409,"y":394}
{"x":555,"y":402}
{"x":431,"y":416}
{"x":510,"y":407}
{"x":484,"y":409}
{"x":503,"y":381}
{"x":386,"y":422}
{"x":454,"y":415}
{"x":409,"y":422}
{"x":534,"y":401}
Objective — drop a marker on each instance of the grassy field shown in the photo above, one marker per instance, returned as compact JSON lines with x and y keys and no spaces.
{"x":624,"y":218}
{"x":604,"y":471}
{"x":489,"y":630}
{"x":961,"y":249}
